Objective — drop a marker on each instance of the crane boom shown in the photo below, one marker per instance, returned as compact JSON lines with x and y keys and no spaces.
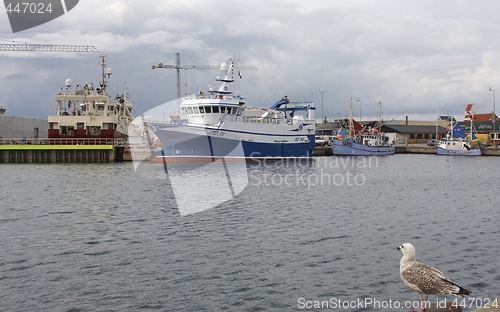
{"x":178,"y":68}
{"x":46,"y":48}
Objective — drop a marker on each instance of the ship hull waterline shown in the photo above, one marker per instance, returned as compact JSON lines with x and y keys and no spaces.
{"x":355,"y":149}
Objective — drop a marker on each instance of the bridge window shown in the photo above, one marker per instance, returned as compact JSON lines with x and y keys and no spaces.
{"x":208,"y":109}
{"x":190,"y":110}
{"x":202,"y":110}
{"x":196,"y":111}
{"x":215,"y":109}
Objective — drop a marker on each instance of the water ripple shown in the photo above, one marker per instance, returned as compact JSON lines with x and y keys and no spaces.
{"x":114,"y":241}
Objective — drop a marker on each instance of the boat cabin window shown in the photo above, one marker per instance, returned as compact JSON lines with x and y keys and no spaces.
{"x":190,"y":110}
{"x":196,"y":111}
{"x":202,"y":110}
{"x":208,"y":109}
{"x":215,"y":109}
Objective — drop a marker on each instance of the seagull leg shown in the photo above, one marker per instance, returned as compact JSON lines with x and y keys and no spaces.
{"x":426,"y":297}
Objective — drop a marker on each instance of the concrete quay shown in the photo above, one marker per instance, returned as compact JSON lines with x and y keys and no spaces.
{"x":60,"y":153}
{"x":415,"y":149}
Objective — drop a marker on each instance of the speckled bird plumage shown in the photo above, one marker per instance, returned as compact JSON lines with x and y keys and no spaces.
{"x":425,"y":279}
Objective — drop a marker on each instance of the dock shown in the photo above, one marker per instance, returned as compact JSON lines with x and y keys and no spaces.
{"x":61,"y":150}
{"x":117,"y":150}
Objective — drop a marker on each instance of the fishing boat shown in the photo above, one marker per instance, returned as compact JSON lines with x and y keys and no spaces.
{"x":365,"y":142}
{"x":220,"y":125}
{"x":89,"y":115}
{"x":456,"y":143}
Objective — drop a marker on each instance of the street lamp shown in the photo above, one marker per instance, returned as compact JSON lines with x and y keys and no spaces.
{"x":322,"y":115}
{"x":494,"y":117}
{"x":357,"y":100}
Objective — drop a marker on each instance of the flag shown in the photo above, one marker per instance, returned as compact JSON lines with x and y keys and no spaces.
{"x":469,"y":115}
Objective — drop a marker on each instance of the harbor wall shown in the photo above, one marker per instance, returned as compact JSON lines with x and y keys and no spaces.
{"x":60,"y":153}
{"x":415,"y":149}
{"x":26,"y":153}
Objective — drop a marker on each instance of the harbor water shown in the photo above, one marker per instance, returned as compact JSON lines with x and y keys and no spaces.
{"x":309,"y":235}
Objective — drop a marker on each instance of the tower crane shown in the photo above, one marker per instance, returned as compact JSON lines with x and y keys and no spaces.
{"x":178,"y":68}
{"x":27,"y":47}
{"x":14,"y":47}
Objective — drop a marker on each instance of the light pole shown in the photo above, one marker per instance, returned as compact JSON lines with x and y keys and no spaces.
{"x":322,"y":115}
{"x":357,"y":100}
{"x":494,"y":118}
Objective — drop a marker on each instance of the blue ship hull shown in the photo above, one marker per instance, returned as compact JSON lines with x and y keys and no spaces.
{"x":178,"y":143}
{"x":349,"y":148}
{"x":463,"y":152}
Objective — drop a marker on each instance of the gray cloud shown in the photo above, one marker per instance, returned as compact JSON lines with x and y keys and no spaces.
{"x":412,"y":56}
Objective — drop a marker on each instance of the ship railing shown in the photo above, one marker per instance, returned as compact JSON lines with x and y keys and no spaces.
{"x":117,"y":142}
{"x":264,"y":120}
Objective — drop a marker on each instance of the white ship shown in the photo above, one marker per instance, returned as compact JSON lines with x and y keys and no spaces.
{"x":220,"y":124}
{"x":89,"y":115}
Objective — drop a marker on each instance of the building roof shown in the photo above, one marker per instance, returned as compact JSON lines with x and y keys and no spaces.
{"x":480,"y":117}
{"x":447,"y":118}
{"x":470,"y":113}
{"x":412,"y":129}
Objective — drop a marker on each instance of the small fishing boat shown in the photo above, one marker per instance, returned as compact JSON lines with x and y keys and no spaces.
{"x":456,"y":143}
{"x":363,"y":142}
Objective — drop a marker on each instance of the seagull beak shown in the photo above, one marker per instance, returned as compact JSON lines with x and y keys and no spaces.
{"x":398,"y":248}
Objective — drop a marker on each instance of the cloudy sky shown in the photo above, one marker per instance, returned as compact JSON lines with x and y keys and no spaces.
{"x":415,"y":56}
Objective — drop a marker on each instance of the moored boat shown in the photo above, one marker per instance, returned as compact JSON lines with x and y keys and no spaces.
{"x":221,"y":125}
{"x":363,"y":142}
{"x":89,"y":115}
{"x":456,"y":144}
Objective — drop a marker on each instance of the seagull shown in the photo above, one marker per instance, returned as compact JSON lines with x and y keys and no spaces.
{"x":425,"y":279}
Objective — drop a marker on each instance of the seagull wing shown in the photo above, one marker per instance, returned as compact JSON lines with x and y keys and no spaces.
{"x":426,"y":279}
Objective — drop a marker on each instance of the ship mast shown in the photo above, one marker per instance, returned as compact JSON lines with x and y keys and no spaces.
{"x":105,"y":72}
{"x":351,"y":123}
{"x":380,"y":116}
